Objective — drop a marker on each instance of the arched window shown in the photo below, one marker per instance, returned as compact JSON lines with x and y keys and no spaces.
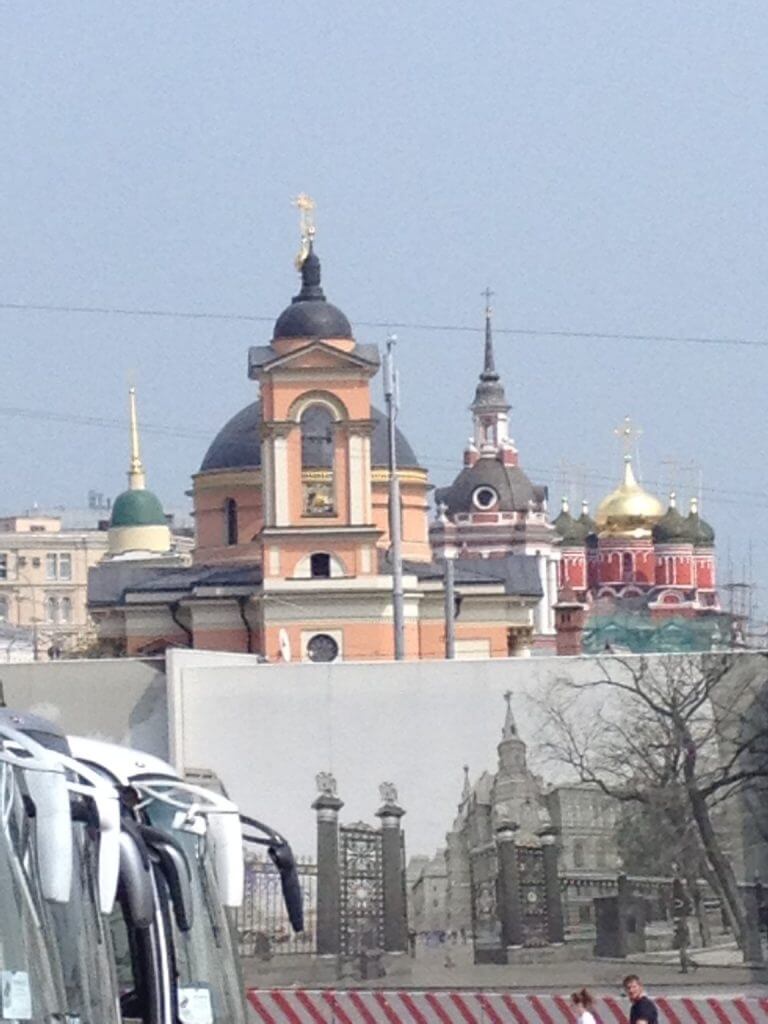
{"x":317,"y":456}
{"x":52,"y":609}
{"x":578,"y":854}
{"x":628,"y":567}
{"x":66,"y":609}
{"x":230,"y":520}
{"x":320,"y":566}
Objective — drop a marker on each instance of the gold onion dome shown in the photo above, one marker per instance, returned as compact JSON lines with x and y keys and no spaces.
{"x":629,"y":511}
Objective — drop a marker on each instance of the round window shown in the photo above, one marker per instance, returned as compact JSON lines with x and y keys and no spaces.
{"x":485,"y":497}
{"x":322,"y":648}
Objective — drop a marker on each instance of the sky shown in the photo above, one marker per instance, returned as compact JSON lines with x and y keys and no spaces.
{"x":600,"y":166}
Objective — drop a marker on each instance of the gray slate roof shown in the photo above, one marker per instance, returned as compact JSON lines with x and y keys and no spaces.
{"x":517,"y":573}
{"x":514,"y":488}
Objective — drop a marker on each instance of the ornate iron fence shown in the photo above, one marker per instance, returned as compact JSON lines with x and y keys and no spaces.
{"x":262,"y":923}
{"x":362,"y":889}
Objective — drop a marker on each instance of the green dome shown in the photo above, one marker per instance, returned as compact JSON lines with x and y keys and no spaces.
{"x":672,"y":528}
{"x":137,"y":508}
{"x":698,"y":531}
{"x":572,"y":531}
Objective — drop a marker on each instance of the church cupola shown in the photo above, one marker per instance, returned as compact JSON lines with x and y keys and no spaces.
{"x":138,"y":526}
{"x":674,"y":551}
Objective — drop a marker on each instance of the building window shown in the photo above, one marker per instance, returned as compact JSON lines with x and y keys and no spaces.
{"x":322,"y":647}
{"x":485,"y":497}
{"x":578,"y":854}
{"x":320,"y":566}
{"x":627,"y":566}
{"x":230,"y":520}
{"x":65,"y":566}
{"x":317,"y":457}
{"x":3,"y":566}
{"x":52,"y":609}
{"x":51,"y":567}
{"x":3,"y":609}
{"x":65,"y":610}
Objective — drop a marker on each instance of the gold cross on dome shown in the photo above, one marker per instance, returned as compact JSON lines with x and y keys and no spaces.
{"x":306,"y":207}
{"x":628,"y":434}
{"x":488,"y":295}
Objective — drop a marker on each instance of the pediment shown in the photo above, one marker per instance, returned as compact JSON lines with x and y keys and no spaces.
{"x":318,"y":355}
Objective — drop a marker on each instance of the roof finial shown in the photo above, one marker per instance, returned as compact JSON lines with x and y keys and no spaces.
{"x":489,"y":365}
{"x":136,"y":476}
{"x":584,"y":507}
{"x":306,"y":207}
{"x":564,"y":504}
{"x":672,"y":499}
{"x":510,"y":729}
{"x":466,"y":788}
{"x":694,"y":506}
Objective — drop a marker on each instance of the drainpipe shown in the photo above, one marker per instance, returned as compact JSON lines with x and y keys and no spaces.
{"x":174,"y":608}
{"x":242,"y":602}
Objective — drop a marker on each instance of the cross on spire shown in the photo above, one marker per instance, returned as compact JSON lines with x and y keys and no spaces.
{"x":628,"y":435}
{"x":488,"y":295}
{"x":306,"y":207}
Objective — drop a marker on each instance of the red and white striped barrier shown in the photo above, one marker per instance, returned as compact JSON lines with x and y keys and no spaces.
{"x":299,"y":1006}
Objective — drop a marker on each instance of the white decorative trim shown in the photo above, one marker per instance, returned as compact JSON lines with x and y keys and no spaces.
{"x":357,"y":479}
{"x":282,"y":511}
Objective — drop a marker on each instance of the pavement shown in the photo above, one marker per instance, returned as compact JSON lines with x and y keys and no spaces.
{"x":720,"y":970}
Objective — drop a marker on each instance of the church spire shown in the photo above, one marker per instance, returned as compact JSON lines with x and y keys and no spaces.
{"x":466,"y":788}
{"x":489,"y":365}
{"x":509,"y":732}
{"x":136,"y":477}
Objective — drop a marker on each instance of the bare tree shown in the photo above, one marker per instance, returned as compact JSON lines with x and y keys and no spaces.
{"x":679,"y":734}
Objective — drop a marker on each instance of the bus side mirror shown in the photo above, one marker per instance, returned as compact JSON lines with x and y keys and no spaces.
{"x":50,"y":795}
{"x":136,"y":882}
{"x":175,"y":869}
{"x":283,"y":859}
{"x":226,"y":838}
{"x":108,"y":810}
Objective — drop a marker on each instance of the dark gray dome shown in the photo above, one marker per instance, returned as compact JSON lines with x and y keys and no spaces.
{"x":309,"y":315}
{"x":238,"y":444}
{"x":316,"y":319}
{"x":515,"y":491}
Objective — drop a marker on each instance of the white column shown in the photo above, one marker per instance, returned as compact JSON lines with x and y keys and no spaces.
{"x":267,"y":483}
{"x":367,"y":496}
{"x":540,"y":612}
{"x":356,"y":480}
{"x":280,"y":452}
{"x":551,"y":594}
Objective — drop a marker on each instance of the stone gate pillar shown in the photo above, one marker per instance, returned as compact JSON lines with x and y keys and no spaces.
{"x":393,"y":869}
{"x":327,"y":807}
{"x":510,"y":910}
{"x":555,"y":921}
{"x":753,"y":950}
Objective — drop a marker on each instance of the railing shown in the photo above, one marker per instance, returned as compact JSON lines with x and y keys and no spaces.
{"x":262,"y":923}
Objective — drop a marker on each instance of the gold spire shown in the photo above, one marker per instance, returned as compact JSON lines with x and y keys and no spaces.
{"x":672,"y":499}
{"x":136,"y":477}
{"x":306,"y":208}
{"x":695,"y":505}
{"x":564,"y":504}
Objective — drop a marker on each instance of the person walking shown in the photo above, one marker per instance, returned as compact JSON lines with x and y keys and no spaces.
{"x":643,"y":1010}
{"x":584,"y":1002}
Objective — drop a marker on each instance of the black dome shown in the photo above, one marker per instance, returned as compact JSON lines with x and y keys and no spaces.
{"x":238,"y":444}
{"x":309,"y":315}
{"x":314,"y":319}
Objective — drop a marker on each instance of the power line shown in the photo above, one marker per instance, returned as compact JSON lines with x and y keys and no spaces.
{"x":678,"y":339}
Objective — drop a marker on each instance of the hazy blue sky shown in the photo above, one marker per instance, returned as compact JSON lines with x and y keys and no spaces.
{"x":601,"y":165}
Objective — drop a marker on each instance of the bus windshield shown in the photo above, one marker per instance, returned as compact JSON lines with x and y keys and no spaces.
{"x":30,"y":987}
{"x":84,"y":943}
{"x":210,"y":989}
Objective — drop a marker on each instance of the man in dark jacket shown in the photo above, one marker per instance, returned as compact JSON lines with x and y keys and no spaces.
{"x":642,"y":1007}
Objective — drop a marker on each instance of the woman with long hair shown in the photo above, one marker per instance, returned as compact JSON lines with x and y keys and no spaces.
{"x":584,"y":1002}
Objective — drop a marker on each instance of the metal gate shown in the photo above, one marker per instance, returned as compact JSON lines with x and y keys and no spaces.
{"x":486,"y":920}
{"x":533,"y":895}
{"x":263,"y":927}
{"x":362,"y":889}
